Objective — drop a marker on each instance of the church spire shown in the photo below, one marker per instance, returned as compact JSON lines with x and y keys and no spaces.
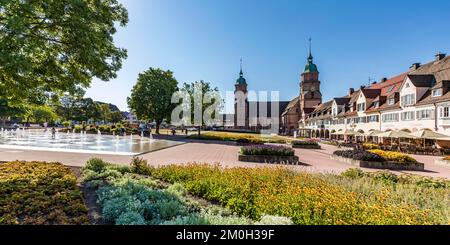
{"x":310,"y":58}
{"x":241,"y":74}
{"x":310,"y":66}
{"x":241,"y":79}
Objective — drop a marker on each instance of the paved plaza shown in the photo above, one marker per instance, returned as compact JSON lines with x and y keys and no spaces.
{"x":214,"y":152}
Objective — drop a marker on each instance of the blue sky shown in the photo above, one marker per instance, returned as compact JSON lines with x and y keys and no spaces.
{"x":204,"y":40}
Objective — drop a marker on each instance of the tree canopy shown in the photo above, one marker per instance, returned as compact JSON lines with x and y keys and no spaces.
{"x":150,"y":97}
{"x":203,"y":90}
{"x":55,"y":46}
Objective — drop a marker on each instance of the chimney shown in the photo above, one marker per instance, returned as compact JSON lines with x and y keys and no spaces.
{"x":351,"y":91}
{"x":415,"y":66}
{"x":384,"y":79}
{"x":363,"y":87}
{"x":439,"y":56}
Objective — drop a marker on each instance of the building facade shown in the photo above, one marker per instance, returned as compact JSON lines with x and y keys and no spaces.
{"x":415,"y":100}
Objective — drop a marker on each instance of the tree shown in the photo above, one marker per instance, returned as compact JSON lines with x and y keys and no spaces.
{"x":205,"y":88}
{"x":7,"y":111}
{"x":151,"y":96}
{"x":116,"y":117}
{"x":55,"y":46}
{"x":88,"y":109}
{"x":105,"y":112}
{"x":68,"y":104}
{"x":40,"y":114}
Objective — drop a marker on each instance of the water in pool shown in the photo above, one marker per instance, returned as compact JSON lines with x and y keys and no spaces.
{"x":81,"y":143}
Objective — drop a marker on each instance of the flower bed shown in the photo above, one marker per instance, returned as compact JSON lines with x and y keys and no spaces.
{"x":238,"y":137}
{"x":40,"y":193}
{"x":360,"y":155}
{"x":305,"y":144}
{"x":305,"y":198}
{"x":129,"y":198}
{"x":370,"y":146}
{"x":267,"y":150}
{"x":394,"y":156}
{"x":369,"y":159}
{"x":268,"y":154}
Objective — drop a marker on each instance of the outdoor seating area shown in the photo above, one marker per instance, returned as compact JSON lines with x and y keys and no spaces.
{"x":423,"y":142}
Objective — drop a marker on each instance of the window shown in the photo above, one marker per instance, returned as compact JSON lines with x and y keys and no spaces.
{"x":391,"y":117}
{"x":376,"y":104}
{"x":391,"y":101}
{"x":437,"y":92}
{"x":444,"y":112}
{"x":390,"y":89}
{"x":361,"y":107}
{"x":407,"y":100}
{"x":373,"y":118}
{"x":407,"y":85}
{"x":425,"y":114}
{"x":408,"y":116}
{"x":360,"y":120}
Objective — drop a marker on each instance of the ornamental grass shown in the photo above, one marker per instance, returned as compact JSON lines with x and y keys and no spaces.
{"x":306,"y":198}
{"x":40,"y":193}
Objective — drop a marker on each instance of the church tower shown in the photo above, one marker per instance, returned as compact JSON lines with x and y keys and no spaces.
{"x":241,"y":105}
{"x":310,"y":94}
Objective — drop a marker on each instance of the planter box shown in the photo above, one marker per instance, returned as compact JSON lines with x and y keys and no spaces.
{"x":269,"y":159}
{"x":441,"y":161}
{"x":307,"y":146}
{"x":381,"y":165}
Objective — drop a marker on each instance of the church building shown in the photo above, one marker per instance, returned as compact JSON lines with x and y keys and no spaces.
{"x":248,"y":115}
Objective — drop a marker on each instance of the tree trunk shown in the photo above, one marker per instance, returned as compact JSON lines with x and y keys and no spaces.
{"x":199,"y":130}
{"x":158,"y":123}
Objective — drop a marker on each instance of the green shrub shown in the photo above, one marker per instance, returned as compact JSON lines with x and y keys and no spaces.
{"x":105,"y":128}
{"x":130,"y":218}
{"x":274,"y":220}
{"x":140,"y":166}
{"x":95,"y":164}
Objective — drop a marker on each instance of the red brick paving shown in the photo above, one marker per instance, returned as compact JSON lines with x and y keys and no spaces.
{"x":212,"y":152}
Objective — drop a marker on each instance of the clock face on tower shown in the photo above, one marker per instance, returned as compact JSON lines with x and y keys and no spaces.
{"x":313,"y":89}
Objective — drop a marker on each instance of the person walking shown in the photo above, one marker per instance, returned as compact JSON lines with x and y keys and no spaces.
{"x":53,"y":132}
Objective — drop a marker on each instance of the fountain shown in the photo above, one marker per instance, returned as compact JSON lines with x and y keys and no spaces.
{"x":80,"y":142}
{"x":99,"y":133}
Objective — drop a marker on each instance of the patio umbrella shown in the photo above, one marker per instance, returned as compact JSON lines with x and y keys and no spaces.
{"x":395,"y":134}
{"x":351,"y":133}
{"x":373,"y":133}
{"x":430,"y":135}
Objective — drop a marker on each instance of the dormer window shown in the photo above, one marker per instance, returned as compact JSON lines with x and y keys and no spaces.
{"x":391,"y":101}
{"x":390,"y":88}
{"x":376,"y":104}
{"x":437,"y":92}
